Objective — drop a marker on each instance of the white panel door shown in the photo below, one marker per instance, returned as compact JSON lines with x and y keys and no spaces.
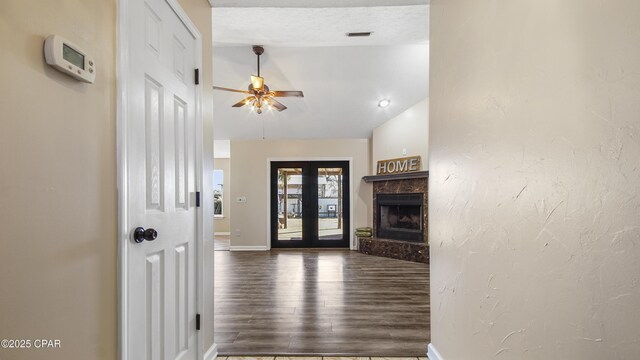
{"x":161,"y":163}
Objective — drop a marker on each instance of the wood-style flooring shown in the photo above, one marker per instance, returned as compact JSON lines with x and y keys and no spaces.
{"x":221,"y":243}
{"x":320,"y":302}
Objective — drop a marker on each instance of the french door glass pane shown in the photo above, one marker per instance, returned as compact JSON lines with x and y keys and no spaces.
{"x":330,"y":220}
{"x":290,"y":204}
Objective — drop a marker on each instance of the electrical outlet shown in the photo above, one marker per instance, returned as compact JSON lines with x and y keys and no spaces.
{"x":241,"y":199}
{"x":404,"y":152}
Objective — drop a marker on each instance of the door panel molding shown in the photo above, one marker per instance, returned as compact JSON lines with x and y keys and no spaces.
{"x":124,"y":93}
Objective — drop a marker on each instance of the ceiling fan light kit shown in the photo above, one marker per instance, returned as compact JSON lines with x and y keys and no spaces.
{"x":260,"y":93}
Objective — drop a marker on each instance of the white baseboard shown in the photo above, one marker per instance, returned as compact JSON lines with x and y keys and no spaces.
{"x":222,"y":233}
{"x":212,"y":353}
{"x":432,"y":353}
{"x":248,"y":248}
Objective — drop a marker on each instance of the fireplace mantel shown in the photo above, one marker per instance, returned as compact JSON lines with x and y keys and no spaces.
{"x":405,"y":176}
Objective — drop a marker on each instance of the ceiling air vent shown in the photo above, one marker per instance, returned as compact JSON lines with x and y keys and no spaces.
{"x":359,"y":34}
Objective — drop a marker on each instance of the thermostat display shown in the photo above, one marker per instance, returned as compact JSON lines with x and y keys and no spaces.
{"x":68,"y":58}
{"x":72,"y":56}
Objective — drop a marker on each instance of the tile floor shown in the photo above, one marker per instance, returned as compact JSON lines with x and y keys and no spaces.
{"x":317,"y":358}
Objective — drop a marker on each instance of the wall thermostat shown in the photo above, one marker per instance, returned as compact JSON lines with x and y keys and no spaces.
{"x":68,"y":58}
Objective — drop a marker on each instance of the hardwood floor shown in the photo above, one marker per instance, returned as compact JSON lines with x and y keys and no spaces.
{"x":320,"y":302}
{"x":221,"y":243}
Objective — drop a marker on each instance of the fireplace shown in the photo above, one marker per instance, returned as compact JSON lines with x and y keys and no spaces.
{"x":400,"y":217}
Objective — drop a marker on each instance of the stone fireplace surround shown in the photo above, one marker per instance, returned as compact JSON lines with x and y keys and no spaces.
{"x":398,"y":249}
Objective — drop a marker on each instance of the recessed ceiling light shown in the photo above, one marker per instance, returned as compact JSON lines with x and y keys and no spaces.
{"x":384,"y":103}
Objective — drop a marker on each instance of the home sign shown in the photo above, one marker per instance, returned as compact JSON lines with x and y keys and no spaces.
{"x":399,"y":166}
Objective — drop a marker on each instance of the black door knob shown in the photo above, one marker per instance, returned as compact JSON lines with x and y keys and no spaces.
{"x":140,"y":234}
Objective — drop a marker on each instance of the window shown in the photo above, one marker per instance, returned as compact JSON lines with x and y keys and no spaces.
{"x":218,"y":184}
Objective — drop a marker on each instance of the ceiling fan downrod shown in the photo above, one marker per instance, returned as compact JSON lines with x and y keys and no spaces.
{"x":258,"y":50}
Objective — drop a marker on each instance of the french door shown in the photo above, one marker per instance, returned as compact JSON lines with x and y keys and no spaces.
{"x":310,"y":204}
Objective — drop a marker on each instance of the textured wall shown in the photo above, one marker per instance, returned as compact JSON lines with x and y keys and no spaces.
{"x":405,"y":131}
{"x":535,"y":179}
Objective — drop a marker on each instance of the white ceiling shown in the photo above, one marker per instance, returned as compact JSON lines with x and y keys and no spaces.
{"x":391,"y":25}
{"x":306,"y":49}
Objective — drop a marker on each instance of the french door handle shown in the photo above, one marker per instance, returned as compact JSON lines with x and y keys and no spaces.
{"x":141,"y":234}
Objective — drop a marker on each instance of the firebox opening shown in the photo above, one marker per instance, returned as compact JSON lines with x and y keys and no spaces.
{"x":400,"y":217}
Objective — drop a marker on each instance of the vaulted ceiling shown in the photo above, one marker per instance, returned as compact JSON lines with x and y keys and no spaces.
{"x":306,"y":49}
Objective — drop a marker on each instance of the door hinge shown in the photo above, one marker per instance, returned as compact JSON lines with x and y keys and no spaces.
{"x":196,"y":74}
{"x":197,"y":198}
{"x":197,"y":321}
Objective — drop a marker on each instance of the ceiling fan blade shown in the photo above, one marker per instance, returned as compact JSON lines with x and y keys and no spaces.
{"x":243,"y":102}
{"x":275,"y":104}
{"x":287,"y":94}
{"x":232,"y":90}
{"x":257,"y":82}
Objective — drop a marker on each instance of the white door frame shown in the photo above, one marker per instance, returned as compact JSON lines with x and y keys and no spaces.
{"x":122,"y":80}
{"x":352,"y":243}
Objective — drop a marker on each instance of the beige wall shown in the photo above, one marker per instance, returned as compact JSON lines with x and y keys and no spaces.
{"x":534,"y":179}
{"x":409,"y":131}
{"x":249,"y":179}
{"x":58,"y":183}
{"x":223,"y":224}
{"x":58,"y":180}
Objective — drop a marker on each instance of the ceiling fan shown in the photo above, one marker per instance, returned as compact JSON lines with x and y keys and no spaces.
{"x":260,"y":93}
